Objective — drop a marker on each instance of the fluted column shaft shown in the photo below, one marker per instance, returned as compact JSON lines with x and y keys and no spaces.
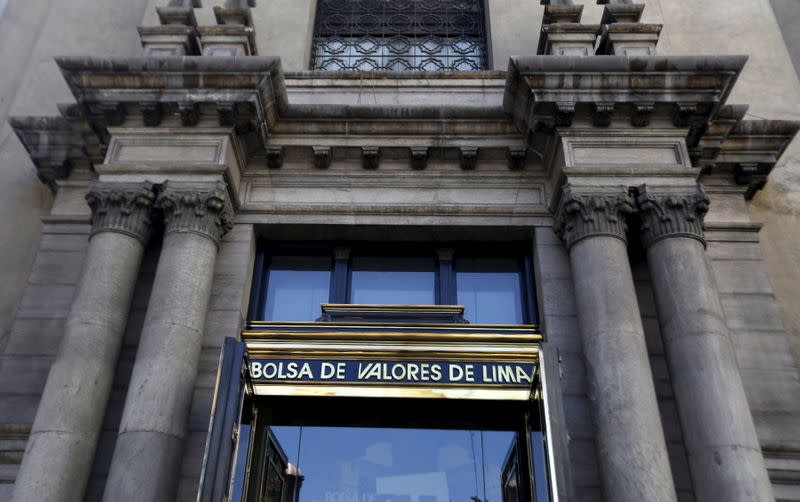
{"x":630,"y":439}
{"x":148,"y":452}
{"x":58,"y":459}
{"x":723,"y":449}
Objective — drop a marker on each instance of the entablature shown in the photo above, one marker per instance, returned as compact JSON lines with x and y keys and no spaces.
{"x":623,"y":102}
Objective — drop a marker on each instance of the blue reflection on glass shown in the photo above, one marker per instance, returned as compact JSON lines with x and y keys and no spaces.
{"x":540,"y":480}
{"x":350,"y":464}
{"x":296,"y":286}
{"x":403,"y":280}
{"x":490,"y":290}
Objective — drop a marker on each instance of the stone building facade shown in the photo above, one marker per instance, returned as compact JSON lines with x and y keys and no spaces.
{"x":644,"y":155}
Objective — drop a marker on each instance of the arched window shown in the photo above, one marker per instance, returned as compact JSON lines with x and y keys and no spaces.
{"x":398,"y":35}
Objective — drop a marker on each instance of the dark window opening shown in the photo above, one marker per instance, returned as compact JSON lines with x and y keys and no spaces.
{"x":399,"y":35}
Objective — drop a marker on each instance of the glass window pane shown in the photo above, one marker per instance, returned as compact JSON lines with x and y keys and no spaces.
{"x":296,"y":286}
{"x":490,"y":290}
{"x":365,"y":464}
{"x":402,"y":280}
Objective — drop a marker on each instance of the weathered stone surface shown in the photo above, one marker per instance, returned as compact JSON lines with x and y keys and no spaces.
{"x":58,"y":459}
{"x":201,"y":209}
{"x":715,"y":414}
{"x":592,"y":225}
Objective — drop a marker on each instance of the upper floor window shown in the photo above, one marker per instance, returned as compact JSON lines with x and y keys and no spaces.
{"x":399,"y":35}
{"x":494,"y":284}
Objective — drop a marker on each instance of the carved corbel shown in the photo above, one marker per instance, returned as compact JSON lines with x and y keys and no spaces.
{"x":114,"y":113}
{"x":682,"y":114}
{"x":370,"y":157}
{"x":322,"y":157}
{"x":274,"y":156}
{"x":601,"y":115}
{"x":750,"y":175}
{"x":468,"y":157}
{"x":563,"y":114}
{"x":516,"y":158}
{"x":641,"y":114}
{"x":190,"y":113}
{"x":419,"y":157}
{"x":230,"y":115}
{"x":151,"y":113}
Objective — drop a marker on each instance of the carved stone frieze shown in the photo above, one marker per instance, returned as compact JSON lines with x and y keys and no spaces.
{"x":203,"y":209}
{"x":671,"y":213}
{"x":121,"y":207}
{"x":592,"y":212}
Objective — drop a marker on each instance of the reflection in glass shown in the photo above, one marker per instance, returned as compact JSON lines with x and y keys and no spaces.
{"x":400,"y":280}
{"x":490,"y":290}
{"x":356,"y":464}
{"x":296,"y":286}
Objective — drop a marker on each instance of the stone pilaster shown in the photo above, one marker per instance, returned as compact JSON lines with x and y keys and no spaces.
{"x":596,"y":213}
{"x":630,"y":438}
{"x":121,"y":207}
{"x":149,"y":447}
{"x":672,"y":214}
{"x":721,"y":442}
{"x":64,"y":436}
{"x":203,"y":210}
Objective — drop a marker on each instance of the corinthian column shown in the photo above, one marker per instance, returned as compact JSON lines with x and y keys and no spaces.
{"x":58,"y":459}
{"x":147,"y":455}
{"x":630,"y":440}
{"x":724,"y":453}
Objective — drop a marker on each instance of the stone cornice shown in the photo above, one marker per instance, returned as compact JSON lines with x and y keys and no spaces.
{"x":671,"y":212}
{"x":121,"y":207}
{"x":251,"y":87}
{"x":203,"y":209}
{"x":591,"y":212}
{"x":745,"y":150}
{"x":539,"y":88}
{"x":249,"y":96}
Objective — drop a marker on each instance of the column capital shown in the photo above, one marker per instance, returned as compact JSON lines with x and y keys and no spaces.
{"x":592,"y":211}
{"x":671,"y":212}
{"x":201,"y":208}
{"x":121,"y":207}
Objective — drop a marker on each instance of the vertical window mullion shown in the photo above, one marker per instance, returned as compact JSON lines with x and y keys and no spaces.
{"x":529,"y":291}
{"x":446,"y":277}
{"x":255,"y":311}
{"x":340,"y":276}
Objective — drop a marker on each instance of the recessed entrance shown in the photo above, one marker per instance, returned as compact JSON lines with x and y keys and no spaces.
{"x":391,"y":450}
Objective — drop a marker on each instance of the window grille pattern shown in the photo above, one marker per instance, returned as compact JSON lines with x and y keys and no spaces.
{"x":399,"y":35}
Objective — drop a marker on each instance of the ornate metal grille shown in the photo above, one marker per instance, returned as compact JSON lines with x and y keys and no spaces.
{"x":422,"y":35}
